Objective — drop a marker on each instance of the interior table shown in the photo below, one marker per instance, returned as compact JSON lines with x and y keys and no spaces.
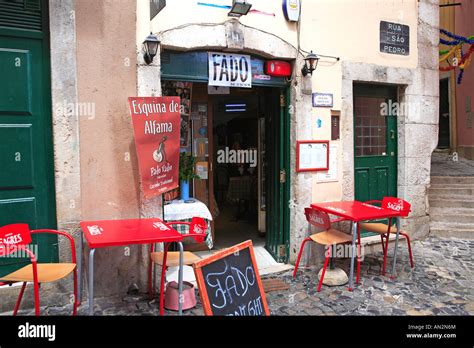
{"x":356,"y":212}
{"x":112,"y":233}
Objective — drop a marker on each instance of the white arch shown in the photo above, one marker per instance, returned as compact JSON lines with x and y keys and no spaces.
{"x":227,"y":36}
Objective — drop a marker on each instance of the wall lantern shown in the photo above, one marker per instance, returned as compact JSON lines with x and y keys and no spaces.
{"x":239,"y":8}
{"x":310,"y":64}
{"x":150,"y":46}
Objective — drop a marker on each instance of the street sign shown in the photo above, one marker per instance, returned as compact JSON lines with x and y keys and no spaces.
{"x":394,"y":38}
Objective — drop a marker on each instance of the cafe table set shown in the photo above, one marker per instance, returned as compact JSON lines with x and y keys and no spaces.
{"x":359,"y":214}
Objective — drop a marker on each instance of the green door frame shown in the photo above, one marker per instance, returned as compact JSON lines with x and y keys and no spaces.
{"x":192,"y":66}
{"x":278,"y":209}
{"x":378,"y":162}
{"x":46,"y":218}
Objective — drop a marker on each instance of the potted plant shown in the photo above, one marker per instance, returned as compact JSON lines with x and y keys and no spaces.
{"x":186,"y":173}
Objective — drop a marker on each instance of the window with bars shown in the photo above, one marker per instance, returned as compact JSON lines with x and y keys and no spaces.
{"x":370,"y":127}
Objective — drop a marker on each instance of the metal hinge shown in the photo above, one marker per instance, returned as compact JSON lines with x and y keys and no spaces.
{"x":282,"y":251}
{"x":282,"y":176}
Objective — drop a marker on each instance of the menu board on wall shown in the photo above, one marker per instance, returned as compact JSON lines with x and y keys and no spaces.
{"x":312,"y":155}
{"x":332,"y":174}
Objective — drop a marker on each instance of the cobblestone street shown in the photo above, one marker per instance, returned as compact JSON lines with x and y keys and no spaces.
{"x":442,"y":283}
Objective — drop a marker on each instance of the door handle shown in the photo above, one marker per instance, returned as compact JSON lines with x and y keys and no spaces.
{"x":392,"y":134}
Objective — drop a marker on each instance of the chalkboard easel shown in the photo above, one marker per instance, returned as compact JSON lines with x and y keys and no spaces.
{"x":229,"y":283}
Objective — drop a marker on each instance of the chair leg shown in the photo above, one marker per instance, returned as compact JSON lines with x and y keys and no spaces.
{"x":385,"y":252}
{"x":76,"y":303}
{"x":358,"y":254}
{"x":299,"y":256}
{"x":151,"y":288}
{"x":37,"y":299}
{"x":162,"y":285}
{"x":18,"y":301}
{"x":324,"y":269}
{"x":409,"y":248}
{"x":383,"y":241}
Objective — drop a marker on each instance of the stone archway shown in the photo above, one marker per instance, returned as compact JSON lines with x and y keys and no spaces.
{"x":231,"y":36}
{"x":234,"y":36}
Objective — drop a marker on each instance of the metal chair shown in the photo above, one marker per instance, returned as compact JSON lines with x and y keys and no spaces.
{"x":15,"y":238}
{"x":327,"y":236}
{"x":197,"y":231}
{"x":385,"y":229}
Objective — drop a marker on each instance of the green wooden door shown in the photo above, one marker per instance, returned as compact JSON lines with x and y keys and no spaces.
{"x":375,"y":142}
{"x":26,"y":151}
{"x":278,"y":174}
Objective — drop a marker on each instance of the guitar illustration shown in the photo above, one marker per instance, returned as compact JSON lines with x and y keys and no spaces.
{"x":159,"y":155}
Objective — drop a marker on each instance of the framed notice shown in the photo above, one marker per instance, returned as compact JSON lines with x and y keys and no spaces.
{"x":312,"y":155}
{"x":182,"y":90}
{"x":331,"y":175}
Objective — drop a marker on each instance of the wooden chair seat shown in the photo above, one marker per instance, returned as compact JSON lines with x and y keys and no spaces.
{"x":377,"y":227}
{"x":47,"y":272}
{"x":331,"y":237}
{"x":172,"y":258}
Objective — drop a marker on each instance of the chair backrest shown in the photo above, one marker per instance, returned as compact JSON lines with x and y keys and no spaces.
{"x":197,"y":229}
{"x":318,"y":218}
{"x":396,"y":204}
{"x":13,"y":235}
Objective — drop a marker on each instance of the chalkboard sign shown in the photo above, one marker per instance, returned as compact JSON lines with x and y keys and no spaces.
{"x":229,"y":283}
{"x":394,"y":38}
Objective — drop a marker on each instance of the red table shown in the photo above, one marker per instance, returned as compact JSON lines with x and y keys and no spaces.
{"x":110,"y":233}
{"x":356,"y":212}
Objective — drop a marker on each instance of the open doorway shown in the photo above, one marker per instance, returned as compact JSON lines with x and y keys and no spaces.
{"x":242,"y":152}
{"x":444,"y":119}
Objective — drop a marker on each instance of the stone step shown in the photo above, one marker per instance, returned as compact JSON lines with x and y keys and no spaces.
{"x":451,"y":196}
{"x":469,"y":180}
{"x":455,"y":191}
{"x":451,"y":211}
{"x":446,"y":217}
{"x":452,"y":225}
{"x":450,"y":232}
{"x":450,"y":203}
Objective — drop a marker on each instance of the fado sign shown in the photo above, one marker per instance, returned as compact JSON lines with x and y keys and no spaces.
{"x":230,"y":70}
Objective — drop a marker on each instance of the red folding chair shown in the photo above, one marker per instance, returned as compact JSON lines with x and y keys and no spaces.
{"x":385,"y":229}
{"x":15,"y":238}
{"x":197,"y":231}
{"x":327,"y":236}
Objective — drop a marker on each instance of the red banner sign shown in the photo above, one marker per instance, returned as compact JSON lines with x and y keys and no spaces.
{"x":156,"y":124}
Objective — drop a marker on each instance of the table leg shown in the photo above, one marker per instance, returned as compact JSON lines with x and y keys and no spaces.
{"x":354,"y":252}
{"x":396,"y":247}
{"x":91,"y":281}
{"x":79,"y":269}
{"x":180,"y":279}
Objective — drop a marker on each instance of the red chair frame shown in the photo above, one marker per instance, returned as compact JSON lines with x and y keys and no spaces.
{"x":197,"y":231}
{"x":386,"y":236}
{"x":323,"y":222}
{"x":34,"y":263}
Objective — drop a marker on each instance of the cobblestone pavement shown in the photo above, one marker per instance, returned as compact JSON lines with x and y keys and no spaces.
{"x":442,"y":283}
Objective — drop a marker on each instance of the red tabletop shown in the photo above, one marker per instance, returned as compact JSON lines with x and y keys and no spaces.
{"x":106,"y":233}
{"x":356,"y":211}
